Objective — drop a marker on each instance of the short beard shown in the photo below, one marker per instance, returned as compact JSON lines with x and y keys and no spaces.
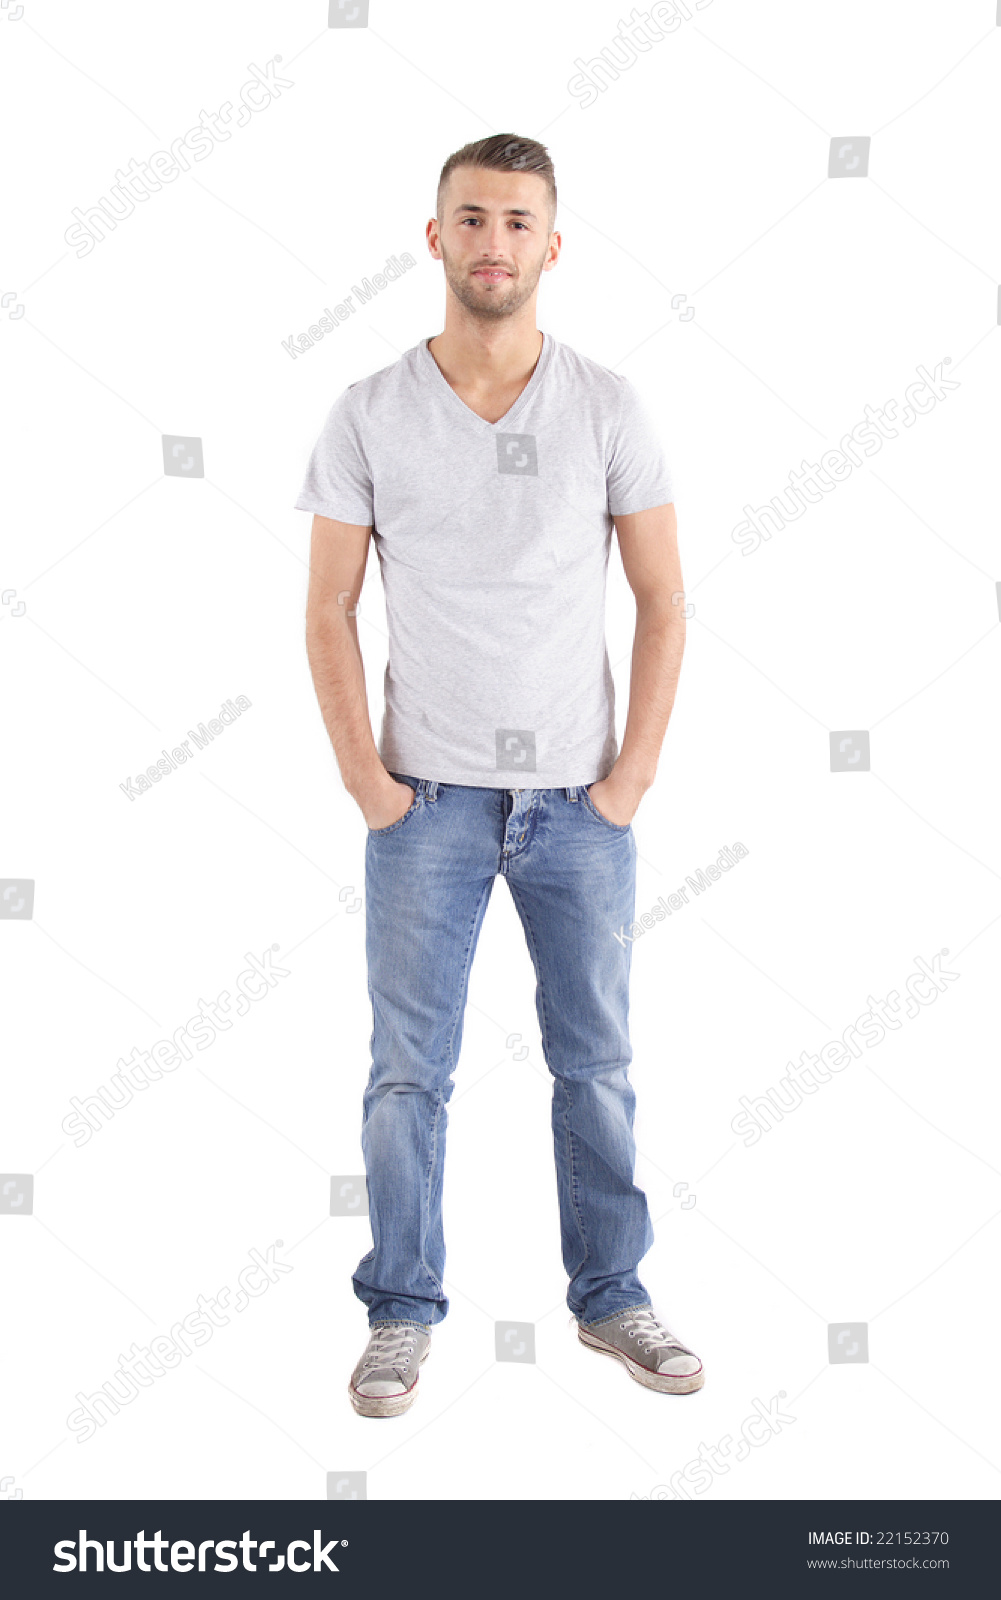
{"x":523,"y":288}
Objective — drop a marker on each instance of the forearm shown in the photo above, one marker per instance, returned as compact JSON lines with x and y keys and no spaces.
{"x":658,"y":646}
{"x":339,"y":680}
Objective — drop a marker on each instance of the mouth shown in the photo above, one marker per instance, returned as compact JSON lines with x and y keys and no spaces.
{"x":490,"y":274}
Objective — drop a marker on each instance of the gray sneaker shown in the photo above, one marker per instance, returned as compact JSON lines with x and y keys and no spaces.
{"x":649,"y":1352}
{"x":384,"y":1382}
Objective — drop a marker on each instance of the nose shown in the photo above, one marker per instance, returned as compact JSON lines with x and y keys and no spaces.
{"x":492,"y":240}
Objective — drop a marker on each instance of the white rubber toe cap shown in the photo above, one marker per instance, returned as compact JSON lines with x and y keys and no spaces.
{"x":680,"y":1366}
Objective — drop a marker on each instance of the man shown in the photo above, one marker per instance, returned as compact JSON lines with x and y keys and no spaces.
{"x":490,"y":462}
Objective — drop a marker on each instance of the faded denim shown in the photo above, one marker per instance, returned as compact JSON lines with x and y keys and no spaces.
{"x":428,"y":878}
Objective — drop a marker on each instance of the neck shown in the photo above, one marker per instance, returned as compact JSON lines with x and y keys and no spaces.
{"x":473,"y":352}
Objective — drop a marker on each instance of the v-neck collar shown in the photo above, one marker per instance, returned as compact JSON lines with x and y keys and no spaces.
{"x":434,"y":373}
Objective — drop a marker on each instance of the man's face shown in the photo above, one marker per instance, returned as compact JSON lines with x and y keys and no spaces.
{"x":494,"y":239}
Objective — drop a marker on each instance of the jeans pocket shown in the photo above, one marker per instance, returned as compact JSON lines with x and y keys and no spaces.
{"x":615,"y":827}
{"x":379,"y":833}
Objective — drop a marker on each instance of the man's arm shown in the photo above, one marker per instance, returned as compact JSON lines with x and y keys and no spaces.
{"x":648,"y":542}
{"x":337,"y":559}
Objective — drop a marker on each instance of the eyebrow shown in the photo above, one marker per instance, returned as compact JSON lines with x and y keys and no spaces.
{"x":511,"y":211}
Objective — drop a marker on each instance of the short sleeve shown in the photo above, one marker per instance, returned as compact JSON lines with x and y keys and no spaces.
{"x":338,"y":483}
{"x":637,"y":472}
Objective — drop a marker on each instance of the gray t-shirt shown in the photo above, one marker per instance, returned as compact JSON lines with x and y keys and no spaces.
{"x":493,"y":540}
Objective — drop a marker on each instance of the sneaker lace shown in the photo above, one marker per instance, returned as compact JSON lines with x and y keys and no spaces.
{"x":649,"y":1331}
{"x":389,"y":1347}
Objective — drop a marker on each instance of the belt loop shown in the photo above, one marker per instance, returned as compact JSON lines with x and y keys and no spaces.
{"x":431,"y":789}
{"x":572,"y":793}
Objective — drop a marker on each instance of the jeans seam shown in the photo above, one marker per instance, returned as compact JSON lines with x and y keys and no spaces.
{"x":573,"y":1182}
{"x":530,"y":931}
{"x":465,"y":971}
{"x":426,"y":1205}
{"x":440,"y":1100}
{"x":571,"y":1162}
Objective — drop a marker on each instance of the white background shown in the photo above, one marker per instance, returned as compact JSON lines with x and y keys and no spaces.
{"x":151,"y":600}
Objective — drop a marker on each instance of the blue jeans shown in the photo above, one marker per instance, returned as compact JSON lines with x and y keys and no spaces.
{"x":428,"y":877}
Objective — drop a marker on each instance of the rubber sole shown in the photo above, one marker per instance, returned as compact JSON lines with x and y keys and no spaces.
{"x":389,"y":1405}
{"x":663,"y":1382}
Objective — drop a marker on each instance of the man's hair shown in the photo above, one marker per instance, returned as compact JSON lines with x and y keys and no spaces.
{"x":503,"y":152}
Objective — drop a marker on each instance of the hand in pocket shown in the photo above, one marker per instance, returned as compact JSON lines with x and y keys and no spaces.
{"x":391,"y":805}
